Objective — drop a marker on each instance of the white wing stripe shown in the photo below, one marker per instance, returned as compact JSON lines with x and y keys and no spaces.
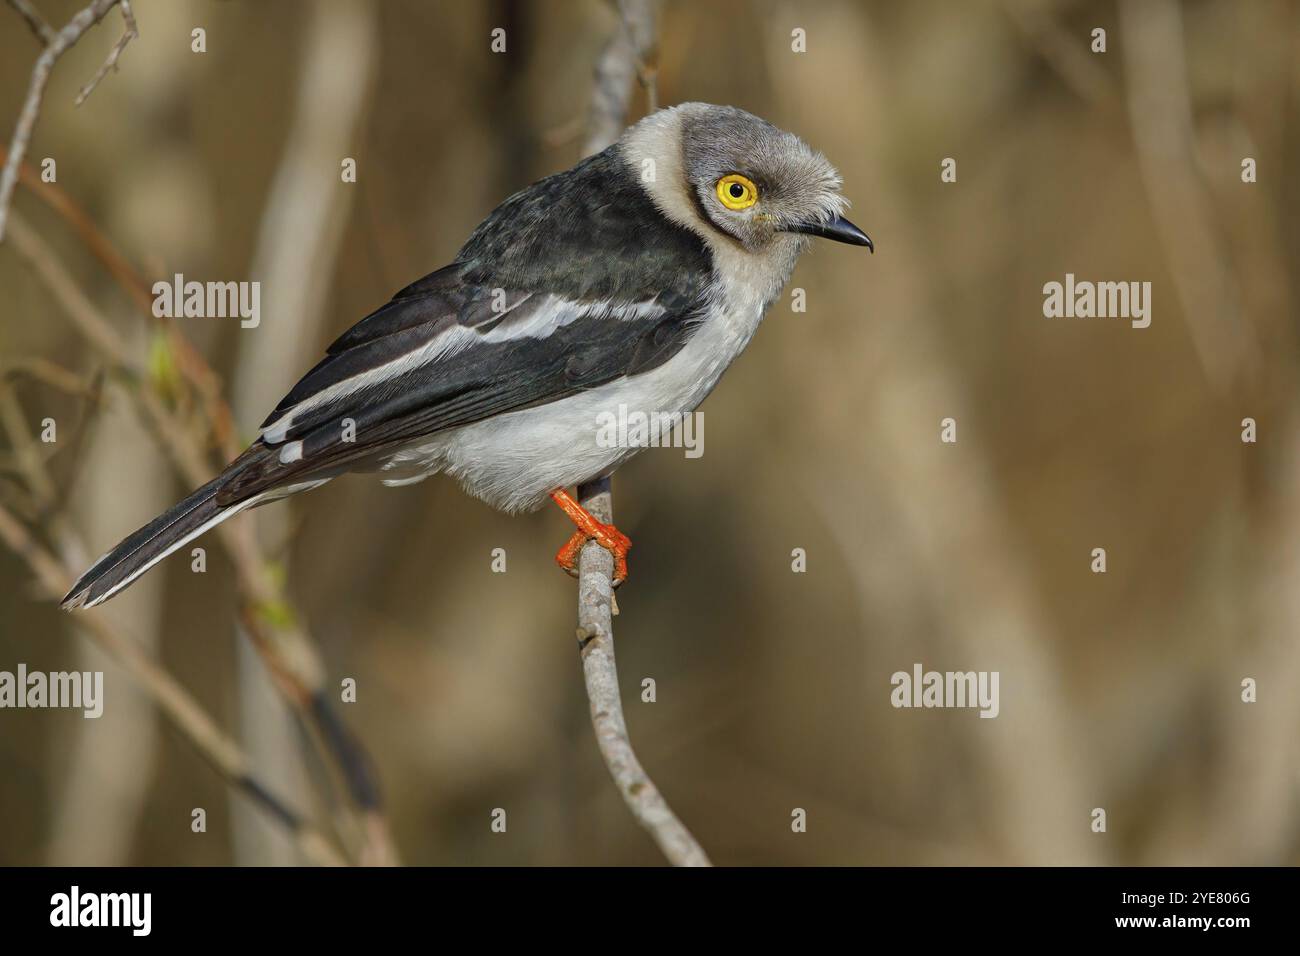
{"x":554,"y":313}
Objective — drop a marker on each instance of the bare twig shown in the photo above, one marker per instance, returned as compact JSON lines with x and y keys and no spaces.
{"x":596,"y":606}
{"x":129,"y":33}
{"x":55,"y":46}
{"x":101,"y":797}
{"x":286,"y":647}
{"x":596,"y":644}
{"x":290,"y":654}
{"x":44,"y":32}
{"x":201,"y":376}
{"x":630,"y":53}
{"x":171,"y":698}
{"x":292,"y":665}
{"x":47,"y":372}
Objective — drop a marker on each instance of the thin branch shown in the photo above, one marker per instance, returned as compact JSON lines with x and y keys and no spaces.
{"x":108,"y":778}
{"x":290,"y":654}
{"x":55,"y":47}
{"x":296,"y":673}
{"x":201,"y":376}
{"x":44,"y":32}
{"x":611,"y":94}
{"x":639,"y":19}
{"x":184,"y":711}
{"x":172,"y":699}
{"x":288,"y":650}
{"x":129,"y":33}
{"x":630,"y":53}
{"x":49,"y":373}
{"x":596,"y":644}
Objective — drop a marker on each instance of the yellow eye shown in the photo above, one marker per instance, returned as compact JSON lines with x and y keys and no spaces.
{"x":736,"y":192}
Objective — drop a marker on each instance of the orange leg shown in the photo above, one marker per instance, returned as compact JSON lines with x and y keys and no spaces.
{"x":589,"y":529}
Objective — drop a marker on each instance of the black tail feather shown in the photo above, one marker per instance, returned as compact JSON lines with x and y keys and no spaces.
{"x":161,"y":536}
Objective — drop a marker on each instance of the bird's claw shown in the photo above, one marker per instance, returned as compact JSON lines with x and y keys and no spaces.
{"x":605,"y":535}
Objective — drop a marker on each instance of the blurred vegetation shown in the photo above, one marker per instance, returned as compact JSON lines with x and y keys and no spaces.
{"x":1118,"y":690}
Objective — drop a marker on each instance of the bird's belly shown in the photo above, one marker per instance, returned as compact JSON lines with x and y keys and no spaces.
{"x":514,"y":460}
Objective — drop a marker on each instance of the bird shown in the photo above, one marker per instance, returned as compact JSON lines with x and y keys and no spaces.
{"x":632,"y":279}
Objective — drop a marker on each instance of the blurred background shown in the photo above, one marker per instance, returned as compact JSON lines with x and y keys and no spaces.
{"x":1119,"y":691}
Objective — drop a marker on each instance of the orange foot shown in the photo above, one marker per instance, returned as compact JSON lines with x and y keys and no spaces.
{"x":589,"y":529}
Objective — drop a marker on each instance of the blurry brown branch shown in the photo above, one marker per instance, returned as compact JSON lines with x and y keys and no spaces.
{"x":630,"y":53}
{"x":189,"y":452}
{"x":31,"y":463}
{"x":44,"y":32}
{"x":101,"y":796}
{"x":273,"y":623}
{"x":47,"y":372}
{"x":171,"y":698}
{"x":168,"y":695}
{"x":1060,"y":50}
{"x":56,"y":44}
{"x":1160,"y":112}
{"x":129,"y":33}
{"x":623,"y":58}
{"x":298,"y":243}
{"x":286,"y":648}
{"x":193,"y":367}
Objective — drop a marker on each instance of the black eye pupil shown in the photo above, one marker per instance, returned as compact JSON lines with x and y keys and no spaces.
{"x":737,"y":191}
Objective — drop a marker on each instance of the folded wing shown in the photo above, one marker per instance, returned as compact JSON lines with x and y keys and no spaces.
{"x":447,"y":352}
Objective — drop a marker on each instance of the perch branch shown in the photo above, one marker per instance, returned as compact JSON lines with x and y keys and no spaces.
{"x":596,"y":645}
{"x":623,"y":58}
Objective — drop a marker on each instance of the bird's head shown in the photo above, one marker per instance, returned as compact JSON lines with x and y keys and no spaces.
{"x":718,"y":168}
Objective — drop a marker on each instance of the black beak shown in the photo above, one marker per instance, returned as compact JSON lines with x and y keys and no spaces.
{"x":839,"y":229}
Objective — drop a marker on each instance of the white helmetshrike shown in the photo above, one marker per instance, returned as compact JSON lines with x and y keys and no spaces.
{"x":633,"y":279}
